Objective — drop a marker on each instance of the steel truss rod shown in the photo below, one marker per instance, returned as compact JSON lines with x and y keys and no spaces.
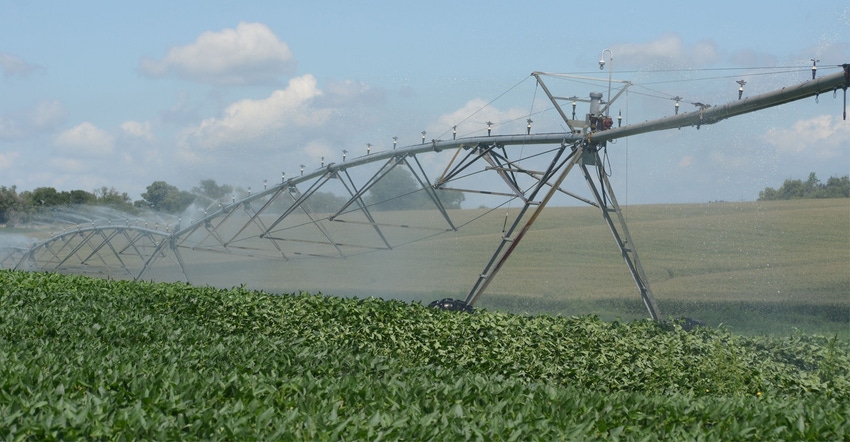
{"x":229,"y":251}
{"x":172,"y":242}
{"x":292,"y":188}
{"x":213,"y":231}
{"x":339,"y":244}
{"x":400,"y":226}
{"x":498,"y":163}
{"x":159,"y":251}
{"x":209,"y":230}
{"x":106,"y":243}
{"x":30,"y":255}
{"x":554,"y":101}
{"x":64,"y":240}
{"x":482,"y":192}
{"x":89,"y":234}
{"x":356,"y":198}
{"x":256,"y":221}
{"x":300,"y":201}
{"x":46,"y":247}
{"x":430,"y":190}
{"x":509,"y":243}
{"x":9,"y":258}
{"x":207,"y":221}
{"x":474,"y":153}
{"x":131,"y":242}
{"x":607,"y":202}
{"x":391,"y":163}
{"x":607,"y":106}
{"x":575,"y":196}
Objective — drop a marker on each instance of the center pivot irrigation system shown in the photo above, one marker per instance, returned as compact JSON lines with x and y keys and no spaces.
{"x":284,"y":221}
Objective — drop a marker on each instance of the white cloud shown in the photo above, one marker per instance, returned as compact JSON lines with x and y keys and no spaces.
{"x":10,"y":128}
{"x":317,"y":149}
{"x":182,"y":112}
{"x":69,"y":165}
{"x":259,"y":123}
{"x":12,"y":65}
{"x":8,"y":159}
{"x":823,"y":136}
{"x":138,"y":130}
{"x":249,"y":54}
{"x":749,"y":57}
{"x":85,"y":139}
{"x":727,"y":161}
{"x":348,"y":92}
{"x":45,"y":116}
{"x":472,"y":118}
{"x":665,"y":51}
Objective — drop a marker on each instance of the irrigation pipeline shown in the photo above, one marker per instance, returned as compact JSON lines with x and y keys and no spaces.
{"x":711,"y":115}
{"x":706,"y":115}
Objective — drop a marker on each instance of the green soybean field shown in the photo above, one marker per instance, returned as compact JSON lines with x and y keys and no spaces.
{"x":95,"y":359}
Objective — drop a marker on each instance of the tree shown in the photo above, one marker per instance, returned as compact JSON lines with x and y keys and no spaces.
{"x":46,"y":196}
{"x":112,"y":198}
{"x":43,"y":197}
{"x":325,"y":202}
{"x":164,"y":197}
{"x":811,"y":188}
{"x":792,"y":189}
{"x":451,"y":199}
{"x":11,"y":204}
{"x":768,"y":194}
{"x":399,"y":190}
{"x":80,"y":197}
{"x":211,"y":190}
{"x":838,"y":187}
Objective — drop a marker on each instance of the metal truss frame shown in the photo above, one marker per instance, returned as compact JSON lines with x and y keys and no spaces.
{"x":258,"y":224}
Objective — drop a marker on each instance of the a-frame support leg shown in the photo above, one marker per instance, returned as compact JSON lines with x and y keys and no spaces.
{"x":513,"y":235}
{"x":582,"y":156}
{"x":607,"y":202}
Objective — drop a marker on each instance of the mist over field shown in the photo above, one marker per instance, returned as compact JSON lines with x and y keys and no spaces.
{"x":752,"y":266}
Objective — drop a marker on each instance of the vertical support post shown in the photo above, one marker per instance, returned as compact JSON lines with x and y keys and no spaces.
{"x":151,"y":258}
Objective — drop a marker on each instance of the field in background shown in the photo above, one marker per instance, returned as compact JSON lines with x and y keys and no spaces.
{"x":756,"y":267}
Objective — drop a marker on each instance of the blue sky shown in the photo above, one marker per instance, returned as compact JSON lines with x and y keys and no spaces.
{"x":121,"y":94}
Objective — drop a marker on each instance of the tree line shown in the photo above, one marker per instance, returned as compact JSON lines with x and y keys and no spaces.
{"x":398,"y":190}
{"x":19,"y":207}
{"x":834,"y":187}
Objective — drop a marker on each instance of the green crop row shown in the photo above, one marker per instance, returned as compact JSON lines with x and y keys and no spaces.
{"x":85,"y":358}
